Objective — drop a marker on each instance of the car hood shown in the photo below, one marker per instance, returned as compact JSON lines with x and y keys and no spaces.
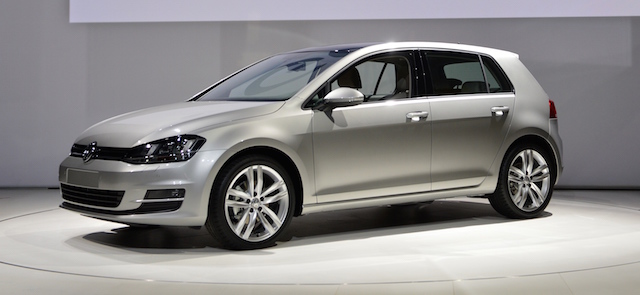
{"x":139,"y":127}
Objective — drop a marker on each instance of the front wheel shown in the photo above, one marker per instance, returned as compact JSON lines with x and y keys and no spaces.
{"x":251,"y":204}
{"x":525,"y":183}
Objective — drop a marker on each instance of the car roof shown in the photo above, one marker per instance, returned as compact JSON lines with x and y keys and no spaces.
{"x":338,"y":48}
{"x":375,"y":46}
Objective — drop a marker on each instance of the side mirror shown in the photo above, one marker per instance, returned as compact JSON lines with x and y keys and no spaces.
{"x":343,"y":97}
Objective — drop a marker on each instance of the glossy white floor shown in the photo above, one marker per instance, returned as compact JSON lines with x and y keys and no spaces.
{"x":588,"y":242}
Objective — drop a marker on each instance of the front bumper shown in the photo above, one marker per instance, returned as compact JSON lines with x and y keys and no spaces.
{"x":173,"y":194}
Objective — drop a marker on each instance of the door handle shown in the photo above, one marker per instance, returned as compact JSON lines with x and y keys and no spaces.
{"x":499,"y":111}
{"x":416,"y":116}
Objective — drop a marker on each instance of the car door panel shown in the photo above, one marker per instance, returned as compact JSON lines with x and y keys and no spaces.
{"x":372,"y":150}
{"x":468,"y":131}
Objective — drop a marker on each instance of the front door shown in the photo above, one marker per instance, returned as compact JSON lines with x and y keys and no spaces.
{"x":381,"y":147}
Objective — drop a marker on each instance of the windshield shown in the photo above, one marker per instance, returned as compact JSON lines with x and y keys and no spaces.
{"x":276,"y":78}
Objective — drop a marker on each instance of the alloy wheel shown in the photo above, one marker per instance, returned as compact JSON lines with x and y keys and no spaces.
{"x":529,"y":180}
{"x":256,"y":203}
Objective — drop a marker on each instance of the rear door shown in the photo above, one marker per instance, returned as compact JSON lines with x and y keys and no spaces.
{"x":470,"y":101}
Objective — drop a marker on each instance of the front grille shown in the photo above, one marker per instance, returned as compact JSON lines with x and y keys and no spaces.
{"x":103,"y":153}
{"x":92,"y":197}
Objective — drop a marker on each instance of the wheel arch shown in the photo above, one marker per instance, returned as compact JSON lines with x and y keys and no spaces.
{"x":542,"y":143}
{"x":283,"y":159}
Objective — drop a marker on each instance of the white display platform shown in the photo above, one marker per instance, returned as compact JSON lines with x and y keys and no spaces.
{"x":447,"y":242}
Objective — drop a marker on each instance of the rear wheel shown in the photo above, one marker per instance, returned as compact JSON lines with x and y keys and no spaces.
{"x":525,"y":183}
{"x":251,"y":204}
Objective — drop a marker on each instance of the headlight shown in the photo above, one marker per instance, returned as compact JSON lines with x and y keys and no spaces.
{"x":172,"y":149}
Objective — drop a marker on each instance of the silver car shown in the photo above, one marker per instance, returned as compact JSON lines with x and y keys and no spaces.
{"x":322,"y":129}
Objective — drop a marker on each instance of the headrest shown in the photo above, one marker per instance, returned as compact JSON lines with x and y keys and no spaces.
{"x":350,"y":78}
{"x":403,"y":85}
{"x":474,"y":87}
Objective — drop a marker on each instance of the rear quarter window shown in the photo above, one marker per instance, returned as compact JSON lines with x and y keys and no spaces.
{"x":498,"y":81}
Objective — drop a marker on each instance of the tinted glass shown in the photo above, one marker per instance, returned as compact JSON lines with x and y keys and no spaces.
{"x":496,"y":78}
{"x":455,"y":73}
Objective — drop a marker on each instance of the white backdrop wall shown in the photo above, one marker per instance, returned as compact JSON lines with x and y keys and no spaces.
{"x":89,"y":11}
{"x":57,"y":78}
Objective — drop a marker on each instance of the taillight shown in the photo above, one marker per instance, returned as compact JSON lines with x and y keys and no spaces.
{"x":552,"y":110}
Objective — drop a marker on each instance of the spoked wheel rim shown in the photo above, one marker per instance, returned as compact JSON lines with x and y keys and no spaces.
{"x":529,"y":181}
{"x":256,"y":203}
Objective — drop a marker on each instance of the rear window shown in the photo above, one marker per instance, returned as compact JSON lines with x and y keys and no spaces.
{"x":464,"y":73}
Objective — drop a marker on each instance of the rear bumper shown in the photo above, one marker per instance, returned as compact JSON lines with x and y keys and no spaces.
{"x":556,"y":143}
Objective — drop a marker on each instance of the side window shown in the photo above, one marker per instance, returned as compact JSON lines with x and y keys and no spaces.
{"x":496,"y":78}
{"x":455,"y":73}
{"x":381,"y":77}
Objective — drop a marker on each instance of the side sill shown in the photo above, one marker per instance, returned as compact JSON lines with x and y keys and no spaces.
{"x":395,"y":199}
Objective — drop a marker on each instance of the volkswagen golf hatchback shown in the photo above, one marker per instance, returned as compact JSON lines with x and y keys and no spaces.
{"x":322,"y":129}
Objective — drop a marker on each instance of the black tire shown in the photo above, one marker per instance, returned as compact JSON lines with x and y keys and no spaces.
{"x":525,"y":183}
{"x":251,"y":203}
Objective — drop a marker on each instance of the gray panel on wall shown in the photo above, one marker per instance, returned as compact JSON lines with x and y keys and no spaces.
{"x":56,"y":78}
{"x":43,"y":86}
